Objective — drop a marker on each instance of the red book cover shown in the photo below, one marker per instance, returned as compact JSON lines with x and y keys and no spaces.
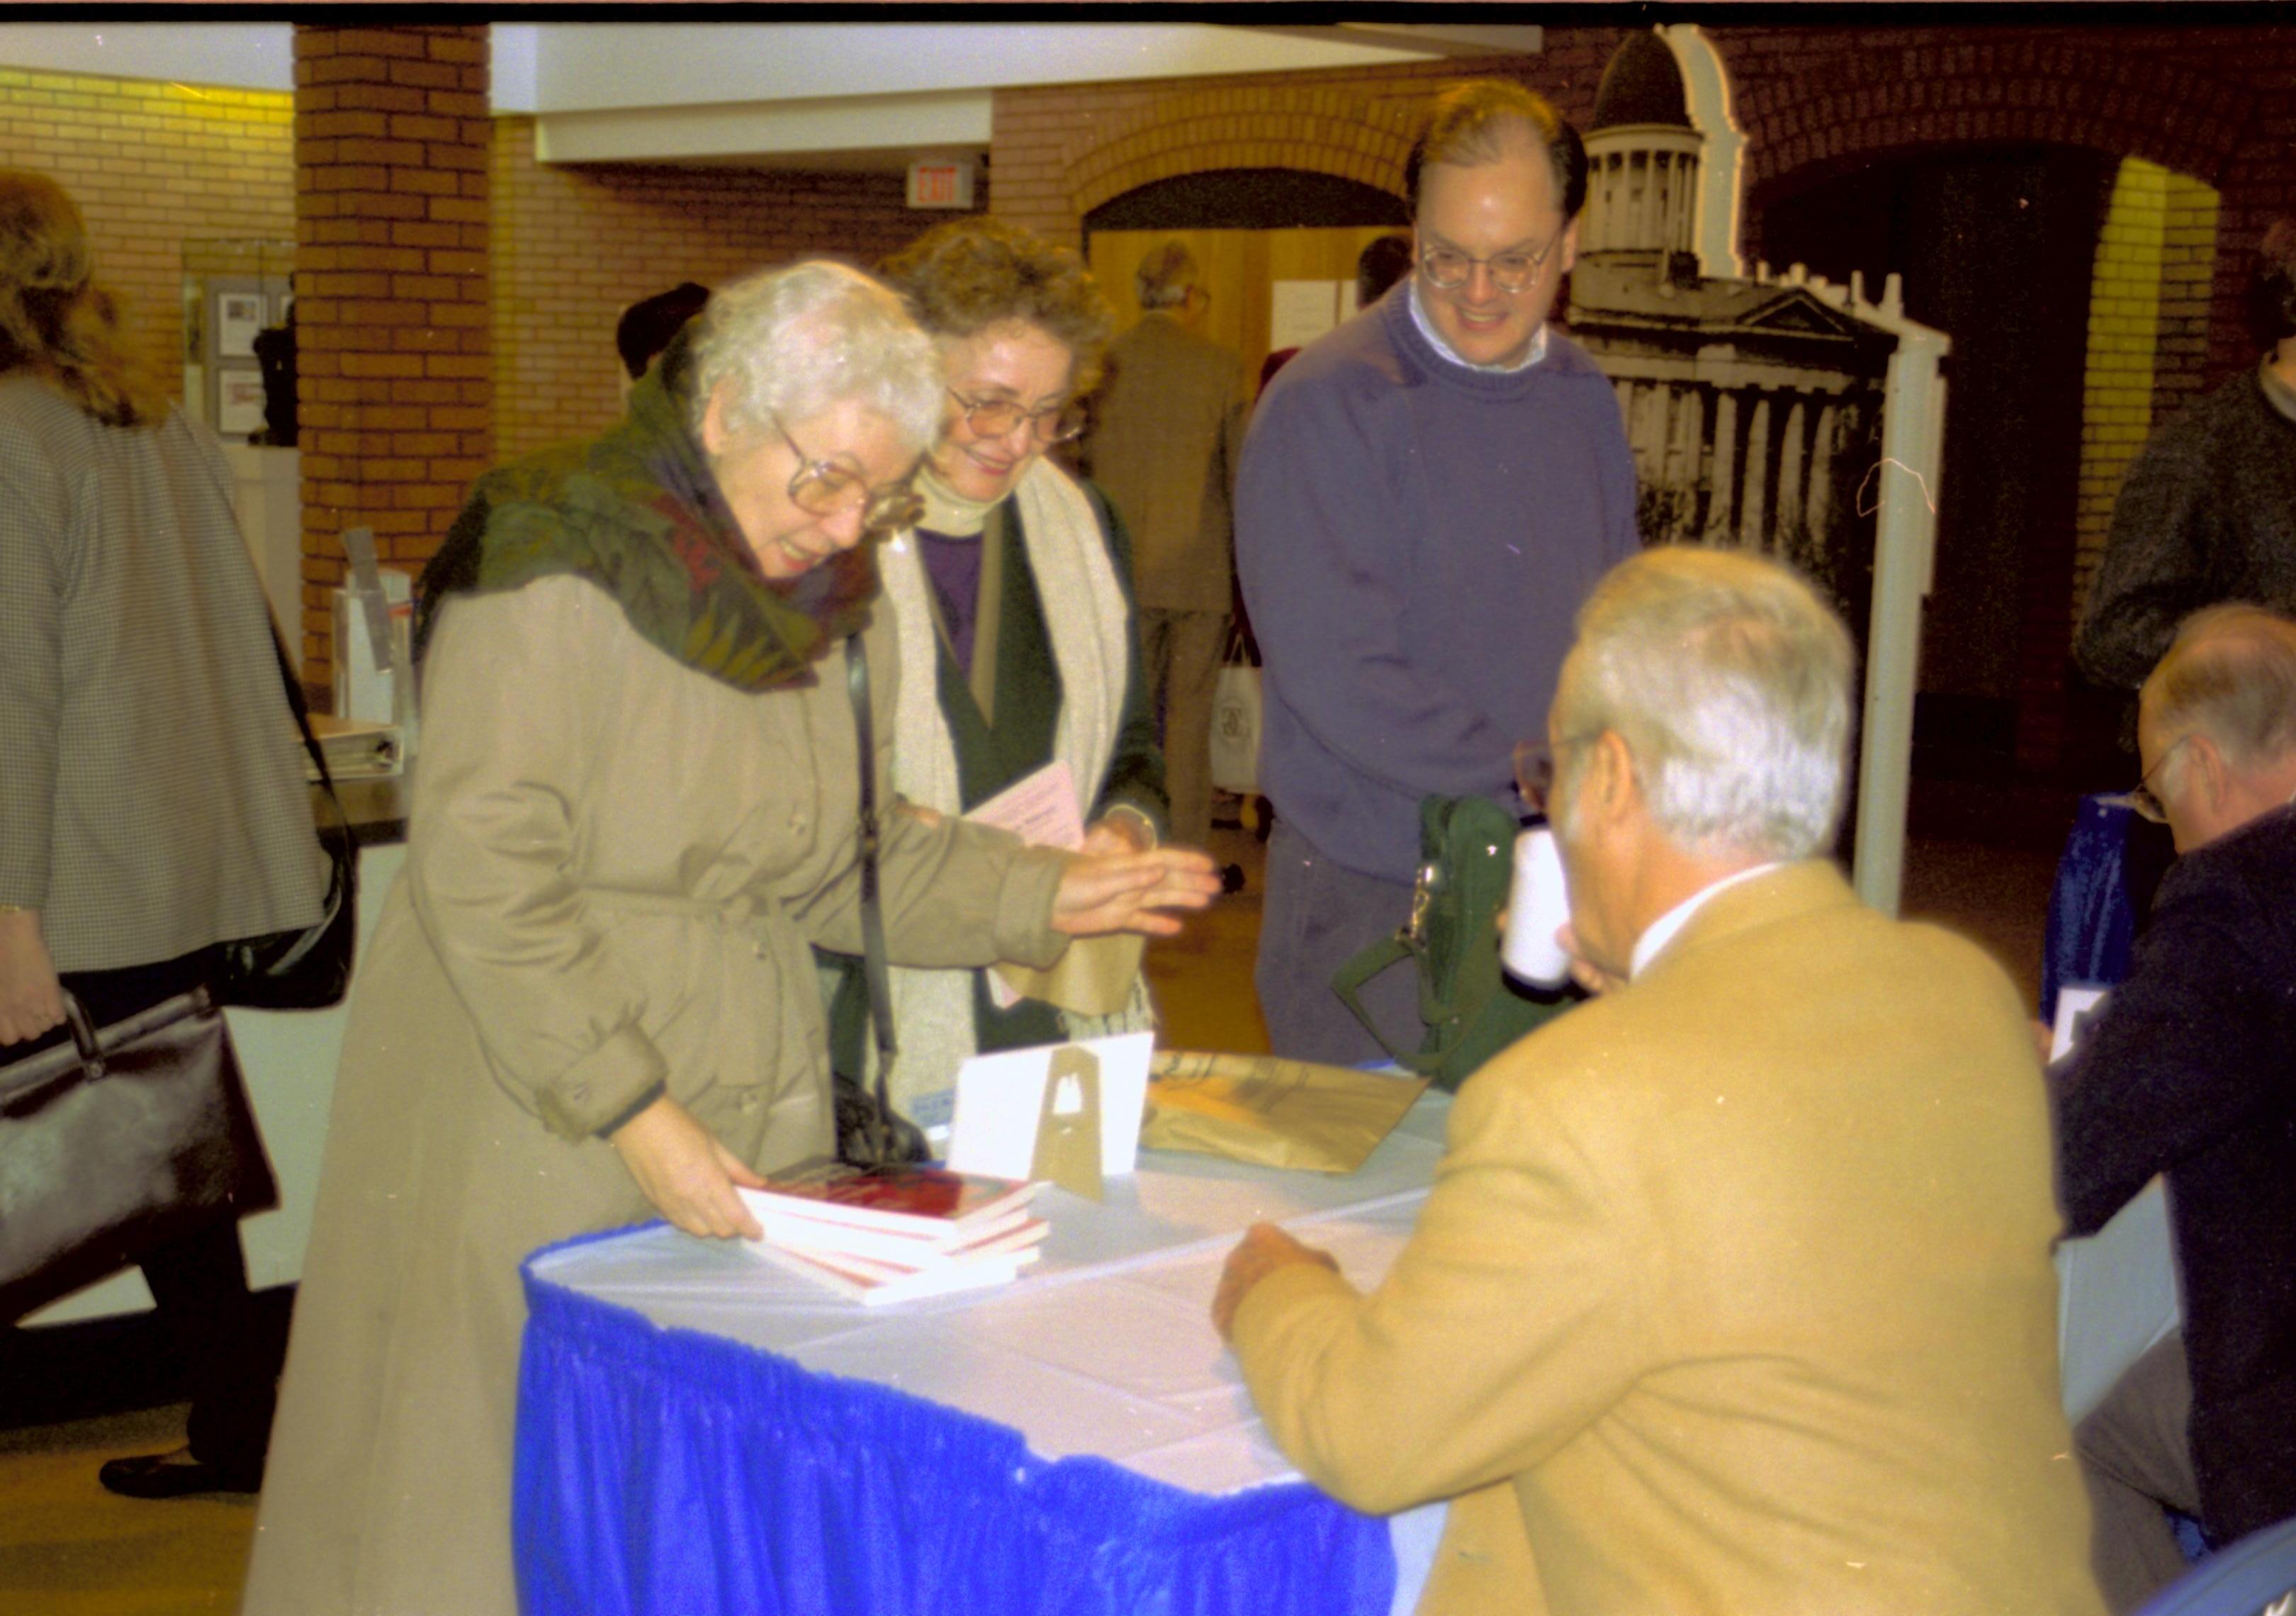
{"x":929,"y":1200}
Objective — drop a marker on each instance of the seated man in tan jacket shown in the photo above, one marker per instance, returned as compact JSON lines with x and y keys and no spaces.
{"x":1734,"y":1291}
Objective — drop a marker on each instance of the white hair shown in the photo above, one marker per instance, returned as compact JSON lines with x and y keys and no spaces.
{"x":1729,"y":680}
{"x":795,"y":342}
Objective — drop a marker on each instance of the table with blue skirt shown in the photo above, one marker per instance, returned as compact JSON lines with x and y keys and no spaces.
{"x":702,"y":1431}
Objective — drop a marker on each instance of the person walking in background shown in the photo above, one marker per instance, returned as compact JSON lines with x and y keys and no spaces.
{"x":152,"y":803}
{"x":1427,"y":494}
{"x":1167,"y":431}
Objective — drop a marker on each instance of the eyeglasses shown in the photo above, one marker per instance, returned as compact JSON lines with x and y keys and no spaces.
{"x":822,"y":488}
{"x":1448,"y":269}
{"x":2144,"y":798}
{"x":997,"y":418}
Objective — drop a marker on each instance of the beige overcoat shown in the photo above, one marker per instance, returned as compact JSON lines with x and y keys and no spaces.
{"x":1735,"y":1284}
{"x":616,"y":870}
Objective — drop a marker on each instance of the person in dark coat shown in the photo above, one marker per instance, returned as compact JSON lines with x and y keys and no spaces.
{"x":2187,"y":1071}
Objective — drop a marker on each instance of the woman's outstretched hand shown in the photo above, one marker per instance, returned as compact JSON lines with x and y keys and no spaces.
{"x":685,"y":1172}
{"x":1132,"y":891}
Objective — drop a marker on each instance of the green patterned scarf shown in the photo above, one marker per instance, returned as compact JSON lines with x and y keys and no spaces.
{"x":637,"y":512}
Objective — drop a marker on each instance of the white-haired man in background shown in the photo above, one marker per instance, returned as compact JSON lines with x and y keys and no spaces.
{"x":1734,"y":1291}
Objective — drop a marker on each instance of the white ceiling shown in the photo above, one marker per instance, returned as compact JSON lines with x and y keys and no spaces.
{"x":777,"y":94}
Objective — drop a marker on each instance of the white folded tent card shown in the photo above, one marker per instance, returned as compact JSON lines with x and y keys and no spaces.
{"x":1000,"y":1096}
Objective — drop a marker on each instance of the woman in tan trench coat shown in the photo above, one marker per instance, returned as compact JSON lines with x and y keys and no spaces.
{"x":591,"y":997}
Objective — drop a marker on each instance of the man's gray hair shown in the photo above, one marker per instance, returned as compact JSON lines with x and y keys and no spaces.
{"x":2230,"y":674}
{"x":1729,"y":680}
{"x":1164,"y":276}
{"x":795,"y":342}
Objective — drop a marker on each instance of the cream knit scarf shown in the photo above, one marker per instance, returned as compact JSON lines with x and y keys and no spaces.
{"x":1085,"y":613}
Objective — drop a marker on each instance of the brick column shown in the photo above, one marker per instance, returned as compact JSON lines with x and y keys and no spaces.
{"x":394,"y":330}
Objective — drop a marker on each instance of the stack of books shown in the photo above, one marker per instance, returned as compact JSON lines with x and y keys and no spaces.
{"x":890,"y":1235}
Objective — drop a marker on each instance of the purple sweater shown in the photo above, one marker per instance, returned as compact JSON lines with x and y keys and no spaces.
{"x":1413,"y":538}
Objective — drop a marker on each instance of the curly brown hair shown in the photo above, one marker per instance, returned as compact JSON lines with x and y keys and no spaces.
{"x":54,"y":320}
{"x":976,"y":272}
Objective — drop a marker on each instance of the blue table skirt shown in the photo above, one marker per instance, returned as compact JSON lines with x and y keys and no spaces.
{"x":669,"y":1473}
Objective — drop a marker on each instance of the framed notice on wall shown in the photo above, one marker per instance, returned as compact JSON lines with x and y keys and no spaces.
{"x":239,"y":315}
{"x":239,"y":403}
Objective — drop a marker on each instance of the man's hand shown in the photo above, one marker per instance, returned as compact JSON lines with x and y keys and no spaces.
{"x":1129,"y":891}
{"x":31,"y":999}
{"x":681,"y":1168}
{"x":1263,"y":1250}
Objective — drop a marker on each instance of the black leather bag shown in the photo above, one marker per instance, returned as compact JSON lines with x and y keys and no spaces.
{"x":119,"y":1141}
{"x":310,"y":968}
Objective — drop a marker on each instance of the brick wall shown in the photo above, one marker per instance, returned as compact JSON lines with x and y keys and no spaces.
{"x":153,"y":166}
{"x":573,"y":247}
{"x":394,"y":347}
{"x":1059,"y":151}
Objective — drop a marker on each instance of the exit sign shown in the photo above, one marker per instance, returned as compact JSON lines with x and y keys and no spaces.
{"x":941,"y":183}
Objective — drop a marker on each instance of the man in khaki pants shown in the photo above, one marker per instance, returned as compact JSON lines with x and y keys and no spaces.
{"x":1165,"y":438}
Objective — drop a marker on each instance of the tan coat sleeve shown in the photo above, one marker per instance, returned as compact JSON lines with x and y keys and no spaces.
{"x":507,"y":685}
{"x":952,"y":894}
{"x":1508,"y":1323}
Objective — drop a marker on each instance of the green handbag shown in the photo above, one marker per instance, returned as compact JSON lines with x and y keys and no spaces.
{"x":1466,"y":864}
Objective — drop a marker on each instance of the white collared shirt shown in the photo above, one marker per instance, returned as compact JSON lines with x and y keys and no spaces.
{"x":1661,"y":931}
{"x":1532,"y":355}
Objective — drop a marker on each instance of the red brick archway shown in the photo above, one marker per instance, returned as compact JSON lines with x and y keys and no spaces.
{"x":1319,"y":131}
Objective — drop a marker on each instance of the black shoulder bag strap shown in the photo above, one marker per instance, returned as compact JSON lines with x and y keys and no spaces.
{"x":873,"y":918}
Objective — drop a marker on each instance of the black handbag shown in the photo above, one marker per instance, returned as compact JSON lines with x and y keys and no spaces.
{"x":1466,"y":865}
{"x":119,"y":1141}
{"x":308,"y":968}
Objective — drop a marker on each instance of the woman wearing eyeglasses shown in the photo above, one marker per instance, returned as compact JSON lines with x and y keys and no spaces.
{"x":1015,"y":589}
{"x":592,"y":997}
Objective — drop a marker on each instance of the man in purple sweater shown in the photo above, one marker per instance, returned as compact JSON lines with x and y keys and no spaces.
{"x":1426,"y":496}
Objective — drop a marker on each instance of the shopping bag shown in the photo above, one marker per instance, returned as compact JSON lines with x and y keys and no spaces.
{"x":1235,"y":724}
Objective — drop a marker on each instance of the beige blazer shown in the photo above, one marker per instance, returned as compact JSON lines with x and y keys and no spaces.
{"x":1168,"y":428}
{"x":616,"y":872}
{"x":1739,"y":1278}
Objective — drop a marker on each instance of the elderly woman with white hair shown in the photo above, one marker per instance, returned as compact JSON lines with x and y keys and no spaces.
{"x":591,"y":997}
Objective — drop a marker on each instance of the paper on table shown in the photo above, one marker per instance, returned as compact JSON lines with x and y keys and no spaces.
{"x":2076,"y":1003}
{"x":1000,"y":1096}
